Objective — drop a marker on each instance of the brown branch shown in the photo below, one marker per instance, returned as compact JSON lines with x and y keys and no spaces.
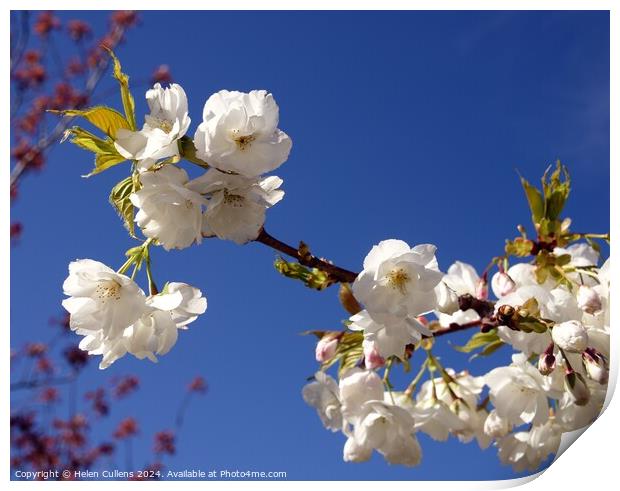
{"x":339,"y":274}
{"x":456,"y":328}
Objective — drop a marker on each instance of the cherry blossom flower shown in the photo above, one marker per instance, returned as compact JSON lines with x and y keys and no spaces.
{"x":323,"y":395}
{"x":237,"y":204}
{"x":388,"y":333}
{"x":101,"y":301}
{"x":518,"y":392}
{"x":169,"y":210}
{"x":398,"y":280}
{"x":526,"y":450}
{"x":239,"y":133}
{"x":167,"y":122}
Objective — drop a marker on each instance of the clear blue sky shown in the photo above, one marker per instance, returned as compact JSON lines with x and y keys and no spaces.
{"x":404,"y":125}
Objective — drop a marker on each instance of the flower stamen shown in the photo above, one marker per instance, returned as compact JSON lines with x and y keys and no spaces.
{"x":398,"y":279}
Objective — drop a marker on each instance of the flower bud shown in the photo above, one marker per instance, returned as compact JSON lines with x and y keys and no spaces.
{"x":595,"y":365}
{"x":496,"y":426}
{"x":589,"y":300}
{"x":447,"y":299}
{"x":372,"y":358}
{"x":505,"y":314}
{"x":502,"y":284}
{"x":570,"y":336}
{"x":326,"y":348}
{"x":578,"y":388}
{"x":546,"y":363}
{"x":482,"y":289}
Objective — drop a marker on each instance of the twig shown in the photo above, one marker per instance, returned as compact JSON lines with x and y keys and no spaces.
{"x":336,"y":272}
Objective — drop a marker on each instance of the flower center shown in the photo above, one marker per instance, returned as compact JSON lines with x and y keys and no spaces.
{"x":233,"y":200}
{"x":108,"y":290}
{"x":242,"y":141}
{"x":398,"y":279}
{"x":164,"y":125}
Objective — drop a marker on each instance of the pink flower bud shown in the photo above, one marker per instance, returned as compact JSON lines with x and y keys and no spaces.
{"x":595,"y":365}
{"x":372,"y":358}
{"x":482,"y":289}
{"x":326,"y":348}
{"x":502,"y":284}
{"x":589,"y":300}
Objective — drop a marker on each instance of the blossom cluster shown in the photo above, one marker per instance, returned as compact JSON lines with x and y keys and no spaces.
{"x":238,"y":141}
{"x":556,"y":382}
{"x":553,"y":311}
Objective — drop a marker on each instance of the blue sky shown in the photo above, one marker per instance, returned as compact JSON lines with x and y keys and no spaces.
{"x":406,"y":125}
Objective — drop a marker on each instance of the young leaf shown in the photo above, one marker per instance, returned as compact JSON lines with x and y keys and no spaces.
{"x":478,"y":340}
{"x":123,"y":80}
{"x":105,"y":118}
{"x":119,"y":199}
{"x":535,"y":200}
{"x":86,"y":140}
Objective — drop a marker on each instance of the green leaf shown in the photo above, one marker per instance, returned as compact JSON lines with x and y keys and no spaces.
{"x":127,"y":98}
{"x":556,"y":189}
{"x":491,"y":348}
{"x":531,"y":307}
{"x":106,"y":154}
{"x":103,"y":161}
{"x":105,"y":118}
{"x":350,"y":358}
{"x":535,"y":200}
{"x":119,"y":199}
{"x":86,"y":140}
{"x":312,"y":278}
{"x":478,"y":340}
{"x":519,"y":247}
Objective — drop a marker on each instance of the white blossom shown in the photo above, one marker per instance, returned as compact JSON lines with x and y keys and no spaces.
{"x":155,"y":332}
{"x":323,"y":395}
{"x":518,"y":392}
{"x":237,"y":204}
{"x":167,"y":122}
{"x":102,"y":302}
{"x":589,"y":300}
{"x":239,"y":133}
{"x":356,"y":388}
{"x":389,"y":430}
{"x":581,"y":254}
{"x":447,"y":299}
{"x":461,"y":279}
{"x":572,"y":416}
{"x":398,"y":280}
{"x":390,"y":334}
{"x":495,"y":426}
{"x":526,"y":450}
{"x":570,"y":336}
{"x":184,"y":302}
{"x":169,"y":210}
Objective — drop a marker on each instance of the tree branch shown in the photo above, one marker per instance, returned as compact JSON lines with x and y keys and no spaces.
{"x":52,"y":138}
{"x":456,"y":328}
{"x":339,"y":274}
